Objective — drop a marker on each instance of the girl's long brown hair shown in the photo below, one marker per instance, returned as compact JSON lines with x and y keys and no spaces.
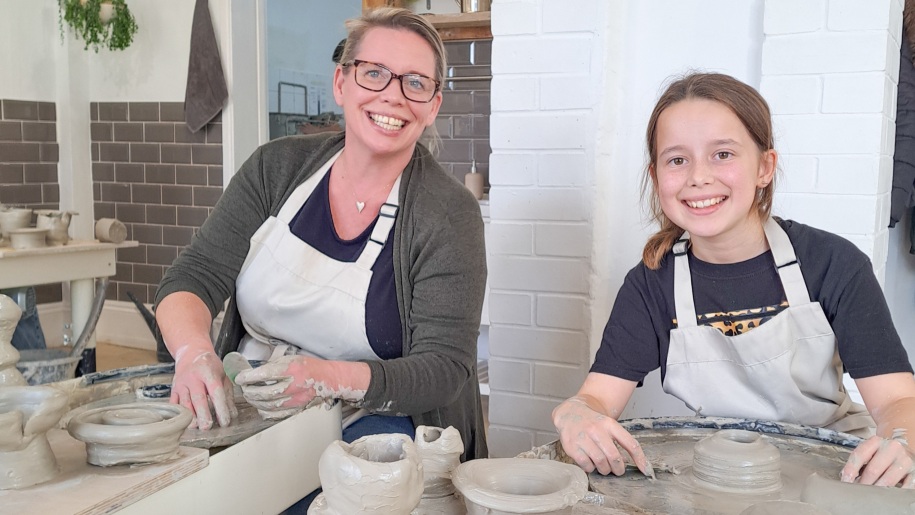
{"x":752,"y":110}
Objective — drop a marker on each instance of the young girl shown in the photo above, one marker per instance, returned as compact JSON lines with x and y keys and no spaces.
{"x":747,"y":315}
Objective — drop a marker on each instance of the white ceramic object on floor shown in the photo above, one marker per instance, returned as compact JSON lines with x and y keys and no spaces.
{"x":376,"y":474}
{"x":10,"y":313}
{"x":28,"y":238}
{"x":142,"y":432}
{"x":27,"y":413}
{"x":504,"y":486}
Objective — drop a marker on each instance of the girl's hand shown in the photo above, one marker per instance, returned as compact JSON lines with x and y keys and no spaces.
{"x":200,"y":384}
{"x":280,"y":387}
{"x":591,"y":438}
{"x":882,"y":462}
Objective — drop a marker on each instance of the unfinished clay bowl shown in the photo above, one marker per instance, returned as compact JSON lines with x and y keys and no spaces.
{"x":28,"y":238}
{"x":376,"y":474}
{"x":14,"y":218}
{"x":27,"y":413}
{"x":502,"y":486}
{"x":142,"y":432}
{"x":737,"y":461}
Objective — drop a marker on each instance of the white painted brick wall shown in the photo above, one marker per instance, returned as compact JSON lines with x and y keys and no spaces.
{"x":792,"y":17}
{"x":561,"y":311}
{"x":511,"y":308}
{"x":510,"y":238}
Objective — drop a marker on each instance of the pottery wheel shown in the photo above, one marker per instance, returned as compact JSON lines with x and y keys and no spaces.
{"x":676,"y":489}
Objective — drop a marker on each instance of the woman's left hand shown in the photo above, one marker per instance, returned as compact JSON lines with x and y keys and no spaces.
{"x":279,"y":386}
{"x":882,"y":462}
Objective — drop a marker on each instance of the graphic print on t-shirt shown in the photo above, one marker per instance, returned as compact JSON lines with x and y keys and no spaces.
{"x":733,"y":323}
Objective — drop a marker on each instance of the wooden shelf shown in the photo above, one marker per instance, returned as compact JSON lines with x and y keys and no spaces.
{"x":455,"y":27}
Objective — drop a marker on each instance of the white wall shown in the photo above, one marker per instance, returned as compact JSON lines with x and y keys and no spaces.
{"x":301,"y":36}
{"x":28,"y":49}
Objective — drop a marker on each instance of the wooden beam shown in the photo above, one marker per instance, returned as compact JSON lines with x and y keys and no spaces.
{"x":368,"y":5}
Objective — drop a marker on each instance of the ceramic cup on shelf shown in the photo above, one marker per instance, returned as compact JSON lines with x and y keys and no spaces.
{"x":13,"y":218}
{"x":110,"y":230}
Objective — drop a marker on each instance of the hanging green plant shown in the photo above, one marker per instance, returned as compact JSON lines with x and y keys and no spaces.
{"x":99,"y":23}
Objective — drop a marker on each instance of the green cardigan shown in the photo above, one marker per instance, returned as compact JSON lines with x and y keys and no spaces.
{"x":439,"y":273}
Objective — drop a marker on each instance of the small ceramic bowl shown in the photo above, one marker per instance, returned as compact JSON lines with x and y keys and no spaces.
{"x":28,"y":238}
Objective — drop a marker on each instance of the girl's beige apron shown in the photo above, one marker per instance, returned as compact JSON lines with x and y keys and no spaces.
{"x":297,"y":300}
{"x":787,"y":369}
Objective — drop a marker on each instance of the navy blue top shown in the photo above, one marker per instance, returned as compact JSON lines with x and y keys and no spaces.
{"x":314,"y":225}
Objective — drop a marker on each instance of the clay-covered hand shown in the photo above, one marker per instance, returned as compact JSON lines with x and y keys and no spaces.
{"x":200,"y":385}
{"x":591,"y":438}
{"x":882,"y":462}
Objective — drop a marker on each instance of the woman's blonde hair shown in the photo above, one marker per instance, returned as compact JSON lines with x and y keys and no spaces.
{"x":399,"y":19}
{"x":752,"y":110}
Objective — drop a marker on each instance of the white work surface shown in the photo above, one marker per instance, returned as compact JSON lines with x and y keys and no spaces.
{"x":79,"y":262}
{"x":263,"y":474}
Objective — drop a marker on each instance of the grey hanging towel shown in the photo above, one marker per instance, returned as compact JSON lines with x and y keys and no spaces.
{"x":206,"y":91}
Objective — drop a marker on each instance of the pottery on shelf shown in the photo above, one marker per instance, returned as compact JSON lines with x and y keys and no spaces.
{"x":27,"y":413}
{"x":376,"y":474}
{"x":13,"y":218}
{"x":10,"y":313}
{"x":57,"y":223}
{"x":136,"y":433}
{"x":110,"y":230}
{"x":28,"y":238}
{"x":501,"y":486}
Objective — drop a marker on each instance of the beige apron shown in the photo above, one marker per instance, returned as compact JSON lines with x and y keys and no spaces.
{"x":786,"y":370}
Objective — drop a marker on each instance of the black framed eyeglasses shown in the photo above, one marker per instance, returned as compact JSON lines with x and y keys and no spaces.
{"x":376,"y":77}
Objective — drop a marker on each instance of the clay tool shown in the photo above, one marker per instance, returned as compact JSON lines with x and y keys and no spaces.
{"x":234,"y":363}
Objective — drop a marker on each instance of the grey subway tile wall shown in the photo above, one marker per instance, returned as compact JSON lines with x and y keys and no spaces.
{"x":463,"y":120}
{"x":150,"y":172}
{"x":28,"y":163}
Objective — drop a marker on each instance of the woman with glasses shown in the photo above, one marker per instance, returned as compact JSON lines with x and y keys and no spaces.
{"x":351,"y":261}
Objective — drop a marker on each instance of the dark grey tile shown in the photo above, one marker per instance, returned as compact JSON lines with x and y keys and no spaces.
{"x":114,"y":192}
{"x":161,"y":254}
{"x":104,"y":210}
{"x":132,"y":254}
{"x":47,"y":111}
{"x":96,"y":192}
{"x":206,"y":196}
{"x":481,"y":150}
{"x":148,"y":274}
{"x":458,"y":52}
{"x":94,"y":151}
{"x":455,"y":150}
{"x":49,"y":152}
{"x":123,"y":271}
{"x":118,"y":152}
{"x":19,"y":152}
{"x":39,"y":131}
{"x":482,"y":51}
{"x":191,"y":216}
{"x":456,"y":102}
{"x":144,"y":153}
{"x":176,"y":153}
{"x":145,"y":233}
{"x":144,"y":111}
{"x":112,"y":111}
{"x":128,"y":131}
{"x":20,"y":110}
{"x":40,"y":172}
{"x":171,"y":112}
{"x":443,"y":126}
{"x":20,"y":194}
{"x":463,"y":126}
{"x":50,"y":195}
{"x":131,"y":213}
{"x":466,"y":85}
{"x":184,"y":135}
{"x":129,"y":172}
{"x":178,"y":236}
{"x":139,"y":291}
{"x":160,"y":132}
{"x":178,"y":195}
{"x":46,"y":293}
{"x":103,"y":172}
{"x":111,"y":293}
{"x":10,"y":131}
{"x":93,"y":111}
{"x":207,"y":154}
{"x":162,"y":215}
{"x":146,"y":193}
{"x":214,"y":133}
{"x":11,"y":173}
{"x":101,"y":131}
{"x":160,"y":174}
{"x":481,"y":102}
{"x":214,"y":176}
{"x":191,"y":174}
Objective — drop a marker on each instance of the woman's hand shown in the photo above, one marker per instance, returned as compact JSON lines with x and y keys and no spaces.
{"x":882,"y":462}
{"x":590,"y":438}
{"x":289,"y":384}
{"x":201,"y":384}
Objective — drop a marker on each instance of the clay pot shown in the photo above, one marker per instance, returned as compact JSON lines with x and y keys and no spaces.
{"x":57,"y":223}
{"x":10,"y":313}
{"x":110,"y":230}
{"x":14,"y":218}
{"x":141,"y":432}
{"x":440,"y":450}
{"x":27,"y":413}
{"x":502,"y":486}
{"x":28,"y":238}
{"x":737,"y":461}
